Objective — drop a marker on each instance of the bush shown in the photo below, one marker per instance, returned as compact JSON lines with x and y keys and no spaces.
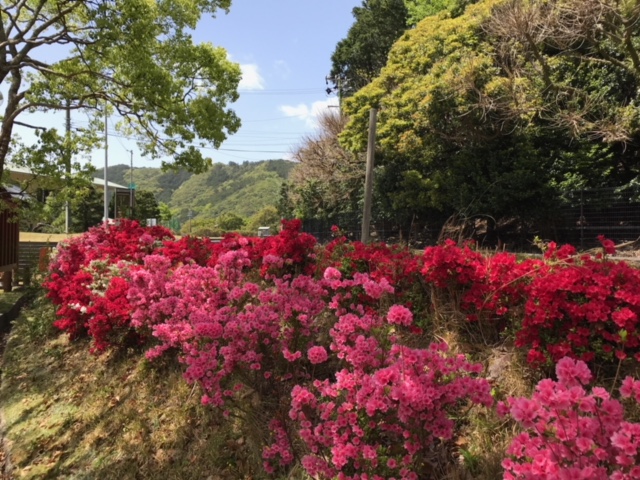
{"x":329,"y":343}
{"x":571,"y":433}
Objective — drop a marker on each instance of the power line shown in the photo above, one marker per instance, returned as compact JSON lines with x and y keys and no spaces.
{"x":303,"y":115}
{"x":279,"y":134}
{"x":213,"y":148}
{"x":247,"y":151}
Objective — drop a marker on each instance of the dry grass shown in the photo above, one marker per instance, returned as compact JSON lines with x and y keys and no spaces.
{"x":46,"y":237}
{"x":70,"y":415}
{"x":8,"y":299}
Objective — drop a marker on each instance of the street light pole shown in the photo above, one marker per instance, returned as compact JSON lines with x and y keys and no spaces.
{"x":67,"y":168}
{"x":106,"y":166}
{"x":131,"y":186}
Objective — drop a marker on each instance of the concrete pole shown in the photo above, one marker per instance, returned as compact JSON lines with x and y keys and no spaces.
{"x":106,"y":166}
{"x":131,"y":187}
{"x":368,"y":182}
{"x":67,"y":207}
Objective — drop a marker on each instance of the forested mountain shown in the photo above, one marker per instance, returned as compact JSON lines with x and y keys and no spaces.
{"x":162,"y":184}
{"x":241,"y":189}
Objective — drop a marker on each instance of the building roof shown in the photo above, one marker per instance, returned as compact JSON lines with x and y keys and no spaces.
{"x":16,"y":192}
{"x":99,"y":182}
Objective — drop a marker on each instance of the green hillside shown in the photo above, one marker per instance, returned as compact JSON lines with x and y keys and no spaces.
{"x":243,"y":189}
{"x":162,"y":184}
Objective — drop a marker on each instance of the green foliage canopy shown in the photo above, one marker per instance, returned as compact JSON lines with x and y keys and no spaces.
{"x":358,"y":58}
{"x":419,"y":9}
{"x":494,"y":110}
{"x":146,"y":206}
{"x":436,"y":148}
{"x":136,"y":56}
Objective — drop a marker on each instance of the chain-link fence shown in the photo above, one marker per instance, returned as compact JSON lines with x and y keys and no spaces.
{"x":349,"y":225}
{"x":612,"y":212}
{"x":172,"y":224}
{"x":416,"y":232}
{"x":581,"y":216}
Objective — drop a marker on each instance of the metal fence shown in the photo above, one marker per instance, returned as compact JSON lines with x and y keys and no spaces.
{"x":381,"y":230}
{"x":350,"y":226}
{"x":612,"y":212}
{"x":581,"y":216}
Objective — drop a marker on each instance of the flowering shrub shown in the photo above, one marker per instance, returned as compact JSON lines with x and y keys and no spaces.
{"x":451,"y":267}
{"x":397,"y":264}
{"x":571,"y":433}
{"x":289,"y":252}
{"x":187,"y":250}
{"x":223,"y":327}
{"x":324,"y":341}
{"x":385,"y":410}
{"x":125,"y":240}
{"x":582,"y":307}
{"x":279,"y":450}
{"x":237,"y":336}
{"x":80,"y":277}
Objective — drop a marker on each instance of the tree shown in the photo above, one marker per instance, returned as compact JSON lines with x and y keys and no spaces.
{"x":86,"y":208}
{"x":201,"y":227}
{"x":267,"y":217}
{"x":135,"y":56}
{"x":229,"y":222}
{"x":574,"y":64}
{"x":166,"y":212}
{"x":328,"y":179}
{"x":506,"y":107}
{"x":358,"y":58}
{"x":419,"y":9}
{"x":146,"y":206}
{"x":437,"y":149}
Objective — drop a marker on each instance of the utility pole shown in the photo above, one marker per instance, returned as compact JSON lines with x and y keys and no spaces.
{"x":368,"y":181}
{"x":131,"y":187}
{"x":67,"y":207}
{"x":337,"y":81}
{"x":106,"y":166}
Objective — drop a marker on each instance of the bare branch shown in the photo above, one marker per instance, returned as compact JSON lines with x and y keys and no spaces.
{"x":22,"y":124}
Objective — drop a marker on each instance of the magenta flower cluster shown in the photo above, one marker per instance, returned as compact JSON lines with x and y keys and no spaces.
{"x":572,"y":433}
{"x":325,"y":339}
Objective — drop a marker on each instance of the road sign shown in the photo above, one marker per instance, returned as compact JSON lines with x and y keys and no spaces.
{"x":132,"y":186}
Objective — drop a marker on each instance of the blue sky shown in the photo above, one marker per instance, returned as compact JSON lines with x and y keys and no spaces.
{"x":284,"y":48}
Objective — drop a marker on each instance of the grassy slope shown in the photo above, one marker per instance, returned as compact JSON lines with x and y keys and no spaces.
{"x":71,"y":415}
{"x":68,"y":414}
{"x":7,"y":299}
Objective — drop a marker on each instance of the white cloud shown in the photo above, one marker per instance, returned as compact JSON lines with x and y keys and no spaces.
{"x":309,"y":113}
{"x":300,"y":110}
{"x":251,"y":78}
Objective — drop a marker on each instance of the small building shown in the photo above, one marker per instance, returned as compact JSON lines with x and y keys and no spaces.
{"x":39,"y":187}
{"x":9,"y":239}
